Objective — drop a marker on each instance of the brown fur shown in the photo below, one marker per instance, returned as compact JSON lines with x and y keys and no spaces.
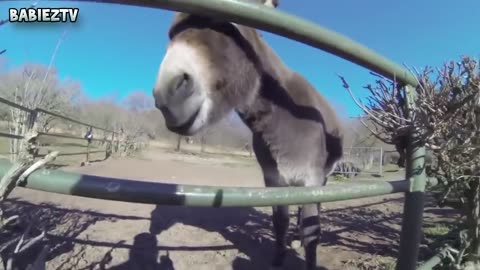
{"x":297,"y":137}
{"x":284,"y":85}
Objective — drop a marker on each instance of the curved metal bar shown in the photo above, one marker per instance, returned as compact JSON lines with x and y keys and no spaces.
{"x":136,"y":191}
{"x":431,"y":263}
{"x":284,"y":24}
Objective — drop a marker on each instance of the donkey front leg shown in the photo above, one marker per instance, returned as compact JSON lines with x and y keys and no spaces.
{"x":281,"y":221}
{"x":310,"y":233}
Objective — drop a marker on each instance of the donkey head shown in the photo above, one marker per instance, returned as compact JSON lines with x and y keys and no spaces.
{"x":207,"y":72}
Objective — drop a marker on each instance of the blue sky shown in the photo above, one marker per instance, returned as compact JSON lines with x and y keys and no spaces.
{"x":114,"y":49}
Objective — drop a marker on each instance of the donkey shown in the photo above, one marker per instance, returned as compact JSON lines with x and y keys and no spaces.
{"x":212,"y":68}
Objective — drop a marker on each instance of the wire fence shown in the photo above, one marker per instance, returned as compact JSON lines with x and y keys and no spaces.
{"x":360,"y":160}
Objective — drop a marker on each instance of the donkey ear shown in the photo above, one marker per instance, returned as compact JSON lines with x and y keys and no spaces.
{"x":272,"y":3}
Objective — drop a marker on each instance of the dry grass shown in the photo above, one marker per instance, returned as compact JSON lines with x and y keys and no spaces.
{"x":371,"y":263}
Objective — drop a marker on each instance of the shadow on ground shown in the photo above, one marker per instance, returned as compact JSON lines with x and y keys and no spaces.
{"x":144,"y":254}
{"x":248,"y":229}
{"x":363,"y":229}
{"x":61,"y":226}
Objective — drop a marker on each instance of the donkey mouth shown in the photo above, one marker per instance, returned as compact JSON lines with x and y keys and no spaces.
{"x":185,"y":128}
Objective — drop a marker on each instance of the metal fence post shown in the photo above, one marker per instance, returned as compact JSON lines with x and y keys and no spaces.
{"x":110,"y":146}
{"x":179,"y":143}
{"x":87,"y":158}
{"x":203,"y":142}
{"x":414,"y":199}
{"x":381,"y":161}
{"x":88,"y":137}
{"x":31,"y":121}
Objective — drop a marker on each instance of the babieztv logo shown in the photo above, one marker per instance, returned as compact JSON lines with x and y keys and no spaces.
{"x":50,"y":15}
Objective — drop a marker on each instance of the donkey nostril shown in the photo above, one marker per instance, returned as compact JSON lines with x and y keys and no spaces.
{"x":181,"y":87}
{"x":179,"y":84}
{"x":181,"y":81}
{"x":186,"y":77}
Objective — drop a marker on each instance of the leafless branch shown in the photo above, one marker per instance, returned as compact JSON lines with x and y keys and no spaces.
{"x":445,"y":117}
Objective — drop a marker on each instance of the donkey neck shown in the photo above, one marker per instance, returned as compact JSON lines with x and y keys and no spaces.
{"x":272,"y":74}
{"x":259,"y":115}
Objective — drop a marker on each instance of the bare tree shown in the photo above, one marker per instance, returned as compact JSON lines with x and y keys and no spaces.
{"x":445,"y":118}
{"x":230,"y":133}
{"x":31,"y":87}
{"x":101,"y":113}
{"x":135,"y":128}
{"x":138,"y":101}
{"x":133,"y":118}
{"x":35,"y":86}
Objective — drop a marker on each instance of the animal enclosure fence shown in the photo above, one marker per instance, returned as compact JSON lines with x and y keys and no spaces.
{"x":107,"y":139}
{"x":360,"y":160}
{"x":204,"y":145}
{"x":292,"y":27}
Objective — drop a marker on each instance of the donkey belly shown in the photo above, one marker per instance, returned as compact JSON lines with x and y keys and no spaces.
{"x":301,"y":175}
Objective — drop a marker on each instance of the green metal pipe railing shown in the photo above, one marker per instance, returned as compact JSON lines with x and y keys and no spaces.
{"x":413,"y":208}
{"x":107,"y":188}
{"x":431,"y":263}
{"x":283,"y":24}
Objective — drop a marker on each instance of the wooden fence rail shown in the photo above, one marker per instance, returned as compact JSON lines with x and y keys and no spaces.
{"x":73,"y":120}
{"x":32,"y":116}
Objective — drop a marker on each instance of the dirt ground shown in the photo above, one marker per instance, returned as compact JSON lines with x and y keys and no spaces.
{"x":87,"y":231}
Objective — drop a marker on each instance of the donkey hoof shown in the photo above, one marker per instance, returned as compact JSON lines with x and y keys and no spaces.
{"x":296,"y":244}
